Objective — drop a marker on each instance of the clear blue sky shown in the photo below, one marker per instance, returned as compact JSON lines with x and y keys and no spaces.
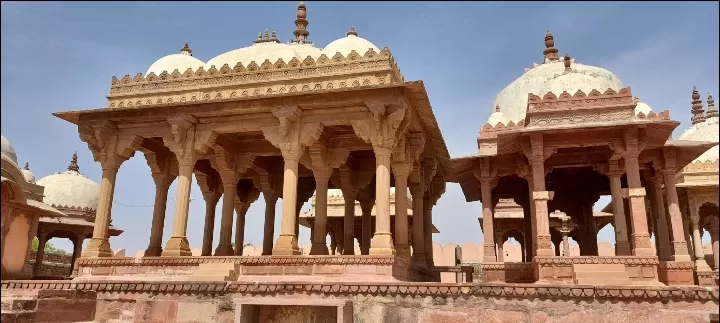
{"x":59,"y":56}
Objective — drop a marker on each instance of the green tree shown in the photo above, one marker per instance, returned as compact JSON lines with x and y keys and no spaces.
{"x":49,"y":248}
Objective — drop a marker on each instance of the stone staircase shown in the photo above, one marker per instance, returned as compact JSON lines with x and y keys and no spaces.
{"x":46,"y":306}
{"x":216,"y":272}
{"x":600,"y":274}
{"x":18,"y":309}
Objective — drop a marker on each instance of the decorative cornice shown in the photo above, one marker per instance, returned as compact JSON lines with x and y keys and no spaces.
{"x":249,"y":260}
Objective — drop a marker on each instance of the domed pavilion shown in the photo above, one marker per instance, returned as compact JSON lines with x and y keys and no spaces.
{"x":560,"y":136}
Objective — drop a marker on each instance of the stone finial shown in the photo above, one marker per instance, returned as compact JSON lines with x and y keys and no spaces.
{"x":698,"y":115}
{"x":73,"y":163}
{"x":352,"y":31}
{"x":550,"y":52}
{"x":27,"y":166}
{"x":266,"y":35}
{"x":301,"y":33}
{"x":186,"y":49}
{"x":711,"y":111}
{"x":497,"y":108}
{"x":567,"y":62}
{"x":636,"y":100}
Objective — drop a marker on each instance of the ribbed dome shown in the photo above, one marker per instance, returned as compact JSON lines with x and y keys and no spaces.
{"x":349,"y":43}
{"x":172,"y":62}
{"x":8,"y":150}
{"x":708,"y":130}
{"x":70,"y":189}
{"x":29,"y":176}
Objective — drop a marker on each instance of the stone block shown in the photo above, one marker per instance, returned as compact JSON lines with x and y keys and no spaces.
{"x":298,"y":270}
{"x":329,"y":270}
{"x":360,"y":270}
{"x":433,"y":315}
{"x":155,"y":311}
{"x":254,"y":270}
{"x":197,"y":312}
{"x":101,"y":271}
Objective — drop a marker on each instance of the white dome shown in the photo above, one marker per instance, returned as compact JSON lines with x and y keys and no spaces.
{"x":498,"y":117}
{"x":707,"y":130}
{"x":70,"y":189}
{"x":29,"y":176}
{"x":170,"y":63}
{"x":347,"y":44}
{"x":642,"y":107}
{"x":548,"y":77}
{"x":8,"y":150}
{"x":259,"y":52}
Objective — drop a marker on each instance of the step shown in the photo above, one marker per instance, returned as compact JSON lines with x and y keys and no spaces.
{"x":217,"y":266}
{"x":212,"y":272}
{"x":600,"y":281}
{"x":600,"y":274}
{"x":210,"y":278}
{"x":598,"y":267}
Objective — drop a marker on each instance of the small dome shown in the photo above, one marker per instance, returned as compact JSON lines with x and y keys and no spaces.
{"x":172,"y":62}
{"x":347,"y":44}
{"x":498,"y":117}
{"x":8,"y":150}
{"x":258,"y":53}
{"x":642,"y":107}
{"x":29,"y":176}
{"x":70,"y":189}
{"x":708,"y":130}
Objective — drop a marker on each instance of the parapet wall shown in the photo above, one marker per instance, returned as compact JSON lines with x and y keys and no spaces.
{"x":183,"y":302}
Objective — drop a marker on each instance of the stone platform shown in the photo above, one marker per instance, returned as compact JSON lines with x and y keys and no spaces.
{"x":382,"y":302}
{"x":252,"y":269}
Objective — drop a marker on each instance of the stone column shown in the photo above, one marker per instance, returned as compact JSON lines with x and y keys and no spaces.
{"x":658,"y":207}
{"x":427,"y":229}
{"x":366,"y":206}
{"x":713,"y":228}
{"x":287,"y":241}
{"x":540,"y":197}
{"x":178,"y":244}
{"x":225,"y":247}
{"x":77,"y":249}
{"x":269,"y":231}
{"x":211,"y":201}
{"x":418,"y":248}
{"x":679,"y":245}
{"x":622,"y":245}
{"x":349,"y":224}
{"x":700,"y":263}
{"x":565,"y":243}
{"x":488,"y":222}
{"x":382,"y":243}
{"x":319,"y":237}
{"x":636,"y":196}
{"x":500,"y":250}
{"x":99,"y":245}
{"x":40,"y":254}
{"x":241,"y":209}
{"x":162,"y":185}
{"x":401,"y":172}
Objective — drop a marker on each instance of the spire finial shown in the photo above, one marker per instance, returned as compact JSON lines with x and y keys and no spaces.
{"x":698,"y":115}
{"x":497,"y":108}
{"x":550,"y":52}
{"x":301,"y":33}
{"x":186,"y":49}
{"x":266,"y":35}
{"x":711,"y":112}
{"x":567,"y":62}
{"x":27,"y":166}
{"x":73,"y":163}
{"x":352,"y":31}
{"x":636,"y":99}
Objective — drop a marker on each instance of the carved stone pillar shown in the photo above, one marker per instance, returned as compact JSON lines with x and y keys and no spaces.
{"x":679,"y":244}
{"x":225,"y":247}
{"x":77,"y":249}
{"x":162,"y":185}
{"x":636,"y":195}
{"x":487,"y":212}
{"x":211,"y":187}
{"x":499,"y":246}
{"x":349,"y":224}
{"x":655,"y":196}
{"x":700,"y":263}
{"x":40,"y":254}
{"x":366,"y":205}
{"x":241,"y":209}
{"x":382,"y":243}
{"x":428,"y":202}
{"x":401,"y":172}
{"x":269,"y":230}
{"x":418,"y":248}
{"x":713,"y":228}
{"x":537,"y":153}
{"x":319,"y":237}
{"x":99,"y":246}
{"x":566,"y":226}
{"x":622,"y":245}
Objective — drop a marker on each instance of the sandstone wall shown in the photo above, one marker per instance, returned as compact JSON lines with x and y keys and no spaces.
{"x":54,"y":265}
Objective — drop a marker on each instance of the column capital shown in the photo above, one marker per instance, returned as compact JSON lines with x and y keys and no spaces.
{"x":107,"y":146}
{"x":401,"y":170}
{"x":543,"y":195}
{"x":291,"y":135}
{"x":385,"y":123}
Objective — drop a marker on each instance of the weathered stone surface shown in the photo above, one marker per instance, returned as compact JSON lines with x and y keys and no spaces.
{"x":155,"y":311}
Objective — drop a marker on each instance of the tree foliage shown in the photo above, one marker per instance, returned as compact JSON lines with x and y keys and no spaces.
{"x":49,"y":247}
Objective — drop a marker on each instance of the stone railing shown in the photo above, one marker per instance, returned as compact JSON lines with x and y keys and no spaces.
{"x":519,"y":272}
{"x":560,"y":269}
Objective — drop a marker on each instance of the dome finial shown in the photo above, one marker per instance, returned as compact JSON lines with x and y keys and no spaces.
{"x":550,"y":52}
{"x":352,"y":31}
{"x":636,"y":99}
{"x":698,"y":115}
{"x":711,"y":112}
{"x":27,"y":166}
{"x":567,"y":62}
{"x":186,"y":49}
{"x":497,"y":108}
{"x":73,"y":167}
{"x":301,"y":33}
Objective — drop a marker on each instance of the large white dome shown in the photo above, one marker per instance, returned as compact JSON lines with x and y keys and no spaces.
{"x":349,"y":43}
{"x":708,"y":130}
{"x":172,"y":62}
{"x":8,"y":150}
{"x":70,"y":189}
{"x":265,"y":47}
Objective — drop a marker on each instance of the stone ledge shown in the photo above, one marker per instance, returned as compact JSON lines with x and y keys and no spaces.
{"x":243,"y":260}
{"x":390,"y":288}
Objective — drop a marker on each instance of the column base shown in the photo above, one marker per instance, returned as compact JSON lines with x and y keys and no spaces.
{"x":319,"y":249}
{"x":701,"y":265}
{"x":286,"y":245}
{"x":224,"y":250}
{"x":382,"y":244}
{"x":418,"y":261}
{"x":642,"y":245}
{"x":97,"y":247}
{"x":489,"y":253}
{"x":153,"y":252}
{"x":177,"y":247}
{"x":402,"y":251}
{"x":622,"y":248}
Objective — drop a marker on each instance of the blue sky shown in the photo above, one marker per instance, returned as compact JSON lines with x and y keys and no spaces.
{"x":59,"y":56}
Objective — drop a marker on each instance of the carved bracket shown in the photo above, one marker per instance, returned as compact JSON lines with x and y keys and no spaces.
{"x":384,"y":126}
{"x":292,"y":136}
{"x":322,"y":160}
{"x":163,"y":167}
{"x":106,"y":144}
